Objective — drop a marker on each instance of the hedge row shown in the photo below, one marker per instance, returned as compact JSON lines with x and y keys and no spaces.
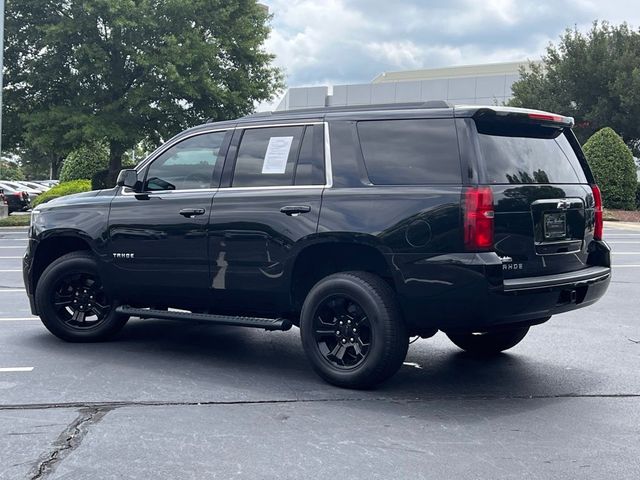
{"x":62,"y":189}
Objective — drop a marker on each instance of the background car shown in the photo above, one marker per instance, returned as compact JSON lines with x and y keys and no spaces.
{"x":3,"y":199}
{"x":16,"y":200}
{"x":34,"y":186}
{"x":47,"y":183}
{"x":20,"y":188}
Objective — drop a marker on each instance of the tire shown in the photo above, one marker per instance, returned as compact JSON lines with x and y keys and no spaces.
{"x":70,"y":293}
{"x":366,"y":305}
{"x":490,"y":343}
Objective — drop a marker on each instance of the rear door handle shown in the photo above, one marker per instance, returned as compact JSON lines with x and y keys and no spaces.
{"x":191,"y":212}
{"x":295,"y":210}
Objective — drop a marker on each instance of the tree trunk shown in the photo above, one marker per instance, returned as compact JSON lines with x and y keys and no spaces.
{"x":116,"y":151}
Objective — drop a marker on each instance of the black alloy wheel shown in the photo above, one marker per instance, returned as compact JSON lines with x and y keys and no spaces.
{"x":342,"y":331}
{"x":80,"y":301}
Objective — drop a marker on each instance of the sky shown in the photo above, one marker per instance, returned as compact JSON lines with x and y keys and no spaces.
{"x":332,"y":42}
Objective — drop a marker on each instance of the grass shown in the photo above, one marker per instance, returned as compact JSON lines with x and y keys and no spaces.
{"x":15,"y":221}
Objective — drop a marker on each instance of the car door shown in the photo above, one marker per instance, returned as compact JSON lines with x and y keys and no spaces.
{"x":158,"y":239}
{"x":268,"y":204}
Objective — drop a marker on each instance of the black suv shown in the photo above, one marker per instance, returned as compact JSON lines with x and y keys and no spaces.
{"x":362,"y":226}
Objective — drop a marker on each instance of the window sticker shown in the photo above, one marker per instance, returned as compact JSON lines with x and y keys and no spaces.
{"x":275,"y":160}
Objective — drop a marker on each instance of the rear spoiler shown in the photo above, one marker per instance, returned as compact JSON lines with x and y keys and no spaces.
{"x":523,"y":115}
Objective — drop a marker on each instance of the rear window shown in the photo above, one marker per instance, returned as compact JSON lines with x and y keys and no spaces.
{"x":410,"y":152}
{"x":529,"y":157}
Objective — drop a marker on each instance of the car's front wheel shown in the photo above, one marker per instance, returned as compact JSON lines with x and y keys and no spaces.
{"x":72,"y":301}
{"x":352,"y":330}
{"x":489,"y":343}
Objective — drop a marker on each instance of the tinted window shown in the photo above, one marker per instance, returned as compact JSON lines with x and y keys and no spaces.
{"x":267,"y":156}
{"x":529,"y":159}
{"x":187,"y":165}
{"x":310,"y":168}
{"x":410,"y":152}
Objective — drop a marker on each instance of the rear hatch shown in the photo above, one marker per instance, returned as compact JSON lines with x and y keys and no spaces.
{"x":543,"y":201}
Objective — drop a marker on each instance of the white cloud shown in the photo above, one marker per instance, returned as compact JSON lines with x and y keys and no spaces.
{"x":344,"y":41}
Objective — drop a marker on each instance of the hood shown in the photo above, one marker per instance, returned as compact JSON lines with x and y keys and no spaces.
{"x":73,"y":199}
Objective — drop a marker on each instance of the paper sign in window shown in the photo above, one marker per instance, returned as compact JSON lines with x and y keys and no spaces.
{"x":275,"y":160}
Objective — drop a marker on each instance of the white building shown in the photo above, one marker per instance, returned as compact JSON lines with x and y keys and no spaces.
{"x":488,"y":84}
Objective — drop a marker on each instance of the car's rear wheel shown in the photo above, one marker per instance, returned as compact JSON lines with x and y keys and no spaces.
{"x":489,"y":343}
{"x":352,"y":330}
{"x":73,"y":303}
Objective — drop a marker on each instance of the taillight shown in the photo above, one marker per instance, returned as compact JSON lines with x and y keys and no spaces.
{"x":598,"y":224}
{"x":478,"y":218}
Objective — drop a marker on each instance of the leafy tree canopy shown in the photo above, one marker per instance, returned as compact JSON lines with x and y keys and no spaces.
{"x":122,"y":71}
{"x":10,"y":170}
{"x":593,"y":77}
{"x":613,"y":167}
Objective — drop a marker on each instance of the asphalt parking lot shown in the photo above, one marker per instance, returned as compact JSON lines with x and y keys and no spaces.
{"x":173,"y":400}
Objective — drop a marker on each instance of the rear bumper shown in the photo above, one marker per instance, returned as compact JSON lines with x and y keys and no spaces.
{"x":467,"y":292}
{"x":588,"y":276}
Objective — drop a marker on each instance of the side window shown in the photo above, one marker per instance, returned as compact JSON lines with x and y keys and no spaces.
{"x":187,"y":165}
{"x":410,"y":152}
{"x":267,"y":156}
{"x":310,"y":168}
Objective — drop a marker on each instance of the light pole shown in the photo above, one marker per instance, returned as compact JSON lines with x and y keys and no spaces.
{"x":1,"y":74}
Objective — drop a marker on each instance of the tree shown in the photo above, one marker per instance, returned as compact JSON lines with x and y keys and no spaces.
{"x":593,"y":77}
{"x":123,"y":71}
{"x":613,"y":167}
{"x":10,"y":170}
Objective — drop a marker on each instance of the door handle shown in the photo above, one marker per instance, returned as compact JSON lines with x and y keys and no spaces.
{"x":191,"y":212}
{"x":295,"y":210}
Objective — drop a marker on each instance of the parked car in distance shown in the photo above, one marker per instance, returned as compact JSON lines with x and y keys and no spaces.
{"x":19,"y":187}
{"x":34,"y":186}
{"x":16,"y":200}
{"x":47,"y":183}
{"x":3,"y":198}
{"x":363,"y":226}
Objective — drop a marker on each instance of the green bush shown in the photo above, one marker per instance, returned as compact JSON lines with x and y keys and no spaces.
{"x":613,"y":166}
{"x":638,"y":196}
{"x":83,"y":163}
{"x":65,"y":188}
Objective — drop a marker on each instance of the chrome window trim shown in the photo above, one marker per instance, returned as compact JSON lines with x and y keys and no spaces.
{"x":274,"y":125}
{"x":327,"y":164}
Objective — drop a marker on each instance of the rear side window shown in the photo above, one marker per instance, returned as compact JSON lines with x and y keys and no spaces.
{"x":531,"y":157}
{"x":410,"y":152}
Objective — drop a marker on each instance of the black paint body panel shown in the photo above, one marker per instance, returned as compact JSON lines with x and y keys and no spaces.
{"x":240,"y":256}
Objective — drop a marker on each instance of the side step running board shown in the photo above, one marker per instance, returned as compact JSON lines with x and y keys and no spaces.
{"x":266,"y":323}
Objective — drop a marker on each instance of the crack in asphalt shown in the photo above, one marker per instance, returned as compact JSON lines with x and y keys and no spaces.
{"x":68,"y":441}
{"x":108,"y":406}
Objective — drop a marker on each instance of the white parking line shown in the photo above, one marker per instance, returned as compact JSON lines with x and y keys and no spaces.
{"x":9,"y":258}
{"x":21,"y":247}
{"x":15,"y":369}
{"x":625,"y":266}
{"x":625,"y":253}
{"x":18,"y":319}
{"x":11,"y":290}
{"x":10,"y":271}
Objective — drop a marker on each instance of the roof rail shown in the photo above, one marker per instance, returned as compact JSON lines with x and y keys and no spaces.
{"x":375,"y":106}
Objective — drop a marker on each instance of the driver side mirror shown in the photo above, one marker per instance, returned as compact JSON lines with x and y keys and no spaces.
{"x":129,"y":178}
